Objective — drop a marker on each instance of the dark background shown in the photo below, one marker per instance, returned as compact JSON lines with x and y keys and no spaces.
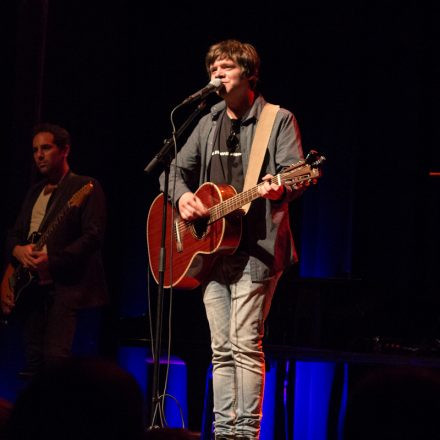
{"x":361,"y":78}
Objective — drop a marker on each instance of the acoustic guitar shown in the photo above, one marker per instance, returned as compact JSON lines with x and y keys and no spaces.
{"x":193,"y":246}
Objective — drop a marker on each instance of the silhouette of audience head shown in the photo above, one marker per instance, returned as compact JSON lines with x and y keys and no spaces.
{"x":79,"y":399}
{"x":394,"y":403}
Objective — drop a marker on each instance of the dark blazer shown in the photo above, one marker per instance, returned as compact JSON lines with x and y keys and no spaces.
{"x":74,"y":247}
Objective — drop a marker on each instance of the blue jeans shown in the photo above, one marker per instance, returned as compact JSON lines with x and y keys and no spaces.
{"x":236,"y":309}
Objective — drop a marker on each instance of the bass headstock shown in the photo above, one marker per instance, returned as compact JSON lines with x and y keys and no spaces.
{"x":78,"y":198}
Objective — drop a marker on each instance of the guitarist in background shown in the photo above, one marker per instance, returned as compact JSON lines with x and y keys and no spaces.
{"x":238,"y":292}
{"x":68,"y":271}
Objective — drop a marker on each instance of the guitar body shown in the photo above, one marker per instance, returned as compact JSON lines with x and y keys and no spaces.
{"x":16,"y":280}
{"x":19,"y":280}
{"x":195,"y":245}
{"x":14,"y":283}
{"x":6,"y":291}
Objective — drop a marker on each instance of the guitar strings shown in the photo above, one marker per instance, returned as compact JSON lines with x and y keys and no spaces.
{"x":223,"y":208}
{"x":227,"y":206}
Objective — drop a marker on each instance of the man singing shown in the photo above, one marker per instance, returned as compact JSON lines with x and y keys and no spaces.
{"x":238,"y":291}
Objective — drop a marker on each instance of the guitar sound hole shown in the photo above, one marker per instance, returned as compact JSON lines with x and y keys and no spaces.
{"x":200,"y":227}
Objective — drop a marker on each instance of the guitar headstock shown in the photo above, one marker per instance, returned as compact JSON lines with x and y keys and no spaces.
{"x":304,"y":172}
{"x":78,"y":198}
{"x":314,"y":159}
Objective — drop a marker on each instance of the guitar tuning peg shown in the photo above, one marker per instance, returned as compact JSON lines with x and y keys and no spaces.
{"x":311,"y":157}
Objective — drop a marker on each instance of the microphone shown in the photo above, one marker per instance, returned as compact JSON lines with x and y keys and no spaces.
{"x":212,"y":86}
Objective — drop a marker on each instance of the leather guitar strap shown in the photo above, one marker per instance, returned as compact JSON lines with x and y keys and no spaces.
{"x":259,"y":146}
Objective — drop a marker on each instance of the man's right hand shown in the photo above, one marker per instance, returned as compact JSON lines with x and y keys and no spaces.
{"x":191,"y":207}
{"x":24,"y":255}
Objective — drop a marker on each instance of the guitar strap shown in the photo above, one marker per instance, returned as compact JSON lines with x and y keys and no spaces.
{"x":259,"y":146}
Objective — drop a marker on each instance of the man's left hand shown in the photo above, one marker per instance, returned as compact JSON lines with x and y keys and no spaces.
{"x":269,"y":190}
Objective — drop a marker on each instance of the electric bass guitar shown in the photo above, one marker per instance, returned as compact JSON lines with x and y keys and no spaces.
{"x":193,"y":246}
{"x":17,"y":279}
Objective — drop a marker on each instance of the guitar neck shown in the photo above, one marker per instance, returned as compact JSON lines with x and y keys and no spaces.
{"x":301,"y":172}
{"x":236,"y":202}
{"x":53,"y":225}
{"x":75,"y":201}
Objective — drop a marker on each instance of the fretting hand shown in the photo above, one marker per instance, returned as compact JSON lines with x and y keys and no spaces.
{"x":270,"y":190}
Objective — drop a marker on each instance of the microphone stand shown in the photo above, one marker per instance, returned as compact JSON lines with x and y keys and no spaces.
{"x":164,"y":157}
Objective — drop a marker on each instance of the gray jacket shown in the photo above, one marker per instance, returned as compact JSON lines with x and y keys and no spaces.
{"x":270,"y":243}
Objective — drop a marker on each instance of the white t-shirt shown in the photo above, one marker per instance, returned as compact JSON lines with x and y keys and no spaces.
{"x":38,"y":212}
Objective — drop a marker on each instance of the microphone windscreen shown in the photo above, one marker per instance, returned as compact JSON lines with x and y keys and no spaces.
{"x":216,"y":82}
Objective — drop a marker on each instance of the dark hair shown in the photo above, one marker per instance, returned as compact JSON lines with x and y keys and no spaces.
{"x":244,"y":54}
{"x":61,"y":136}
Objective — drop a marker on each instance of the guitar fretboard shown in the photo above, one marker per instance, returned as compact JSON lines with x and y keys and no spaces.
{"x":44,"y":237}
{"x":75,"y":200}
{"x":235,"y":202}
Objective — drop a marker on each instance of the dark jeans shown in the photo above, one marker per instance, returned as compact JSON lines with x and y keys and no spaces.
{"x":49,"y":328}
